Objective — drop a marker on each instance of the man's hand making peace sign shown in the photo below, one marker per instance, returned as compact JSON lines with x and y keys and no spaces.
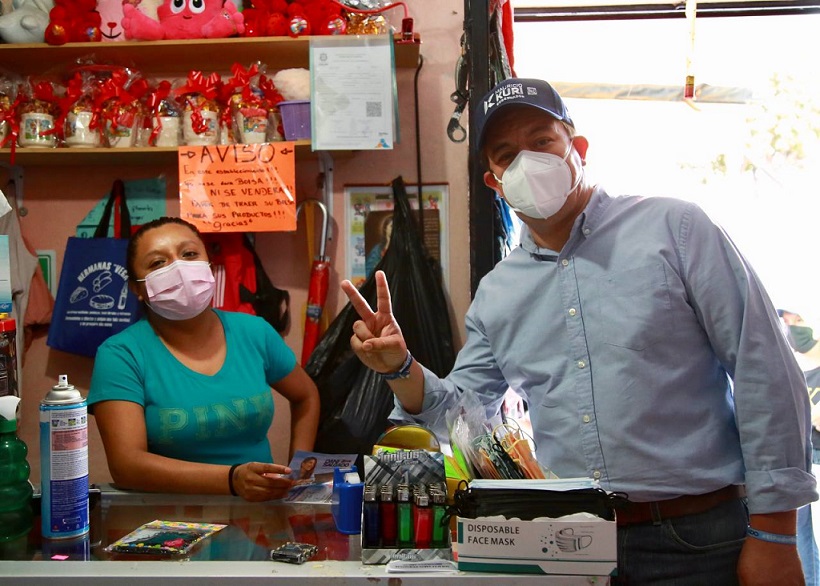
{"x":378,"y":342}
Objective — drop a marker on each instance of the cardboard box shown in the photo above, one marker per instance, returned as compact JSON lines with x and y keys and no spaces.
{"x":579,"y":546}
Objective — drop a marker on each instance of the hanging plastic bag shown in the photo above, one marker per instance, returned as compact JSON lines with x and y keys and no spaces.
{"x":356,"y":402}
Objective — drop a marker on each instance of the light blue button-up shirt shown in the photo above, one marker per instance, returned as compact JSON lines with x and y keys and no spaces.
{"x":650,"y":356}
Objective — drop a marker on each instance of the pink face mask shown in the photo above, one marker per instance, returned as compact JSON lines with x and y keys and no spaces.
{"x":181,"y":290}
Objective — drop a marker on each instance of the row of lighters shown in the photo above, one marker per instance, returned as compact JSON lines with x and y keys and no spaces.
{"x":405,"y":516}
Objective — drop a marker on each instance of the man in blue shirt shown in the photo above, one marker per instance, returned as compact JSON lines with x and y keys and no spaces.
{"x":801,"y":338}
{"x":648,"y":351}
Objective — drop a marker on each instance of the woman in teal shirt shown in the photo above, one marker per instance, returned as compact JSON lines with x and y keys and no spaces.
{"x":183,"y":397}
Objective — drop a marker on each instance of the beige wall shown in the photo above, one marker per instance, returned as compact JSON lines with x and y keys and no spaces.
{"x":57,"y":199}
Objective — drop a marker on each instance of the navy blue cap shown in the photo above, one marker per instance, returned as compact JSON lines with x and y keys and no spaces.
{"x":515,"y":90}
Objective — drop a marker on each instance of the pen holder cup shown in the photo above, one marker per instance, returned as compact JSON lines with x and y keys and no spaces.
{"x":346,"y":504}
{"x":295,"y":119}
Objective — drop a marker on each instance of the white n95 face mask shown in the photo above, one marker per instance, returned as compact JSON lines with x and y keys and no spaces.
{"x":537,"y":184}
{"x":181,"y":290}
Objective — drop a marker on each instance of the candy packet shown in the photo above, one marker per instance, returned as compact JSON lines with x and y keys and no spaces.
{"x":164,"y":537}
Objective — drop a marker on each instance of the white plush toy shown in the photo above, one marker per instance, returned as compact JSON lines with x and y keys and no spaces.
{"x":27,"y":21}
{"x":293,"y":84}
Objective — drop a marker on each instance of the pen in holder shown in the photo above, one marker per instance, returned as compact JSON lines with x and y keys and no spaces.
{"x":346,"y":503}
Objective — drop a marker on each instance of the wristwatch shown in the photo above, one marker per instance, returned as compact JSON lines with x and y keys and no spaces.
{"x":403,"y":372}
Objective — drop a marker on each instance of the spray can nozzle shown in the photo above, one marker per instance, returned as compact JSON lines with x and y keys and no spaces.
{"x":63,"y":391}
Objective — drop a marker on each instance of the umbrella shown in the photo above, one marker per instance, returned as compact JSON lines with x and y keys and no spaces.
{"x":317,"y":289}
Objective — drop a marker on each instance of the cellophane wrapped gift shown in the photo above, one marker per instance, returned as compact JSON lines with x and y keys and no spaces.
{"x":9,"y":102}
{"x":273,"y":97}
{"x":37,"y":115}
{"x":119,"y":99}
{"x":248,"y":106}
{"x":163,"y":120}
{"x":200,"y":108}
{"x":79,"y":118}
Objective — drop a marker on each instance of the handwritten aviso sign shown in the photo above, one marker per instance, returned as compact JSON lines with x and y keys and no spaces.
{"x":238,"y":187}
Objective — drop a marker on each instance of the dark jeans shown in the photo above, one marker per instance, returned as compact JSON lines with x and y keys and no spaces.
{"x":695,"y":550}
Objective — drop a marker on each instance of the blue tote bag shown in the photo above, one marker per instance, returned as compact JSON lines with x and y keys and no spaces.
{"x":93,"y":301}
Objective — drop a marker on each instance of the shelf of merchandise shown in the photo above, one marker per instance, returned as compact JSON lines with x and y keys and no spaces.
{"x":163,"y":59}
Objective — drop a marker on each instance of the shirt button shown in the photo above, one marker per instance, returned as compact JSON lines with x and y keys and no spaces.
{"x":596,"y":474}
{"x":587,"y":418}
{"x":572,"y":311}
{"x":587,"y":231}
{"x":565,"y":262}
{"x":581,"y":364}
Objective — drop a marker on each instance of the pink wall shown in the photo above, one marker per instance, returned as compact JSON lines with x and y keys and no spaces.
{"x":57,"y":199}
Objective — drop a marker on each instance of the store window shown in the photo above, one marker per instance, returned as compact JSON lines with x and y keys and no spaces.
{"x":747,"y":149}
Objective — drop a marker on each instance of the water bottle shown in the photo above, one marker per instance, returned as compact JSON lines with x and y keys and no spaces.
{"x":64,"y":462}
{"x":16,"y":517}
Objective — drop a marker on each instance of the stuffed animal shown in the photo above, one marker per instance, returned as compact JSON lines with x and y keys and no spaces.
{"x":73,"y":21}
{"x":212,"y":19}
{"x":298,"y":23}
{"x":266,"y":18}
{"x":111,"y":17}
{"x":324,"y":17}
{"x":293,"y":84}
{"x":27,"y":21}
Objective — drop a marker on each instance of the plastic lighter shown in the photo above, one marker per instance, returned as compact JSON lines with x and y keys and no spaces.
{"x":346,"y":503}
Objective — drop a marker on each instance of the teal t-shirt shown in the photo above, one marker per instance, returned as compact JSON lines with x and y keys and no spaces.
{"x":218,"y":419}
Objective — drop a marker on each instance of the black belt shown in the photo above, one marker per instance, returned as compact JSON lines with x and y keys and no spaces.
{"x":690,"y":504}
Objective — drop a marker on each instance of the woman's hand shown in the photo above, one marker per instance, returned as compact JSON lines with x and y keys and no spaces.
{"x":377,"y":339}
{"x":257,"y":481}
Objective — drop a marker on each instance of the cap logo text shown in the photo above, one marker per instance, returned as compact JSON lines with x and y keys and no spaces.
{"x":508,"y":92}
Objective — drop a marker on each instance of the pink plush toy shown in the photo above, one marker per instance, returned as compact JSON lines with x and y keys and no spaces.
{"x":184,"y":19}
{"x":111,"y":17}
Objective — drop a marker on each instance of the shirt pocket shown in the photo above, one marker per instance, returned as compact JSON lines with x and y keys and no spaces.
{"x":631,"y":308}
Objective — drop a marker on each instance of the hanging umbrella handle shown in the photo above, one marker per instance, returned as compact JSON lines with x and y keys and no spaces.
{"x":317,"y":288}
{"x":325,"y":224}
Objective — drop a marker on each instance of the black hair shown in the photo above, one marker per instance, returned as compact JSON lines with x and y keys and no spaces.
{"x":131,"y":251}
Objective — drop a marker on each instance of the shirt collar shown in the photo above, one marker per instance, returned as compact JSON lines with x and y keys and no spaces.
{"x":585,"y":224}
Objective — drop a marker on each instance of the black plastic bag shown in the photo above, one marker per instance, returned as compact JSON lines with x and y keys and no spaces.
{"x":355,"y":400}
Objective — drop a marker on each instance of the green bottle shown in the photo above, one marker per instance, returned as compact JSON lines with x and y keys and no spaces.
{"x":16,"y":517}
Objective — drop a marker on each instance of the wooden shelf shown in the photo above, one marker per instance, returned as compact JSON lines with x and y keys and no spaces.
{"x":106,"y":156}
{"x":168,"y":59}
{"x":176,"y":58}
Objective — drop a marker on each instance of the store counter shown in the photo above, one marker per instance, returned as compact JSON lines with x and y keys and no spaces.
{"x":237,"y":554}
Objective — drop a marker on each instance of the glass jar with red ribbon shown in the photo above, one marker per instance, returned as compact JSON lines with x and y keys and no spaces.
{"x":120,"y":108}
{"x":248,"y":107}
{"x":163,"y":119}
{"x":79,"y":117}
{"x":272,"y":97}
{"x":200,"y":109}
{"x":37,"y":113}
{"x":9,"y":102}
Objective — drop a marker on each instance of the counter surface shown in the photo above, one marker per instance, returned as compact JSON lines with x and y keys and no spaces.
{"x":239,"y":552}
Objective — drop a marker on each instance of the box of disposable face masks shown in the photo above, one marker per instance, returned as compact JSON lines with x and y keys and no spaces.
{"x":576,"y":544}
{"x":572,"y":530}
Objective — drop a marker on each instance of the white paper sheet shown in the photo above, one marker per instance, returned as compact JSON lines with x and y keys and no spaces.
{"x":352,"y":89}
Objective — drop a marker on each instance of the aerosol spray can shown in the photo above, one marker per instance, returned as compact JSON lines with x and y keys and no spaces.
{"x":64,"y":461}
